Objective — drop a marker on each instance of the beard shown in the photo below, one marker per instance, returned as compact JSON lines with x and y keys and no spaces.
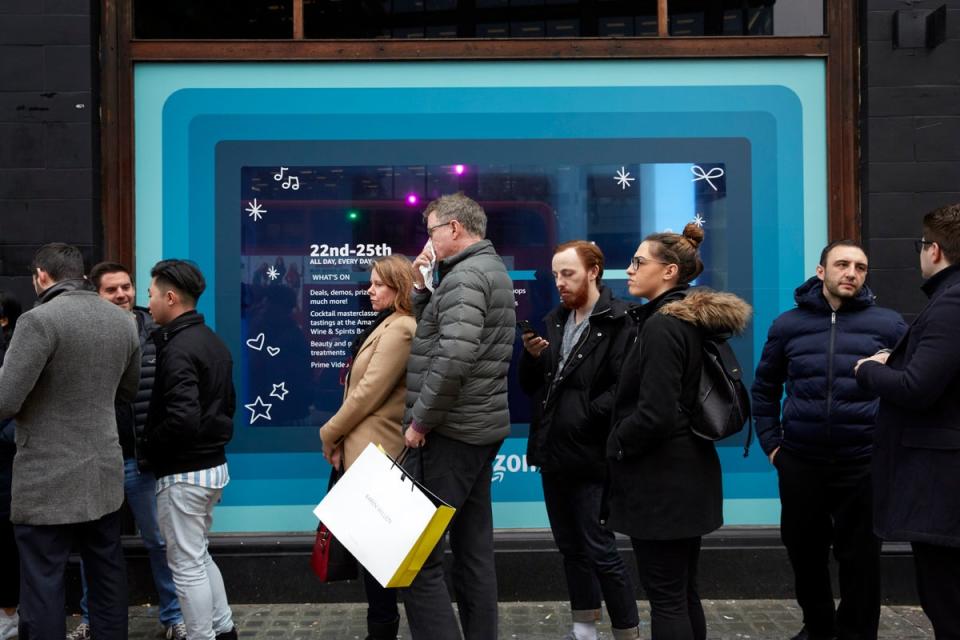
{"x":576,"y":299}
{"x":834,"y":288}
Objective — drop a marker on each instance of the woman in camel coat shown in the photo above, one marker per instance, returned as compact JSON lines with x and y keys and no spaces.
{"x":373,"y":402}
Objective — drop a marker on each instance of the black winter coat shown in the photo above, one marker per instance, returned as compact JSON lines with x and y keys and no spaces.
{"x":916,"y":459}
{"x":132,"y":416}
{"x":571,"y":410}
{"x":190,"y":419}
{"x":665,"y":482}
{"x":813,"y":349}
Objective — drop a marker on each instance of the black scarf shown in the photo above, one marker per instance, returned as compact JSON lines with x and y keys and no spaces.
{"x":360,"y":339}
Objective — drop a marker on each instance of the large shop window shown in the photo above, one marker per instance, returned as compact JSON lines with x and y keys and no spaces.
{"x":283,"y":181}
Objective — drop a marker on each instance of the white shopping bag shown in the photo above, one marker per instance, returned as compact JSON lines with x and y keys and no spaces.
{"x":387,"y":521}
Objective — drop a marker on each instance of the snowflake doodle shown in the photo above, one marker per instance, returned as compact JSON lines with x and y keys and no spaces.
{"x":623,"y":178}
{"x":272,"y":273}
{"x":699,"y":221}
{"x":255,"y":210}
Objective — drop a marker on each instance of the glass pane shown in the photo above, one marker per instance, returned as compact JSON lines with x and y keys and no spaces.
{"x":746,"y":18}
{"x":478,"y":19}
{"x":308,"y":234}
{"x":246,"y":19}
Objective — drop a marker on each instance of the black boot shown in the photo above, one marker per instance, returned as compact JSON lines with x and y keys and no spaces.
{"x":383,"y":630}
{"x":228,"y":635}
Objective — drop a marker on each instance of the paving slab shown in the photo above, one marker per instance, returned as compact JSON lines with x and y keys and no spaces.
{"x":726,"y":620}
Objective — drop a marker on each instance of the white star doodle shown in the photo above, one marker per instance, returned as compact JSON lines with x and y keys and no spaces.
{"x":699,"y":221}
{"x":272,"y":273}
{"x":255,"y":410}
{"x":255,"y":210}
{"x":279,"y":391}
{"x":623,"y":178}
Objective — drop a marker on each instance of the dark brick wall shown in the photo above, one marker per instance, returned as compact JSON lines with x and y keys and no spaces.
{"x":49,"y":137}
{"x":911,"y":144}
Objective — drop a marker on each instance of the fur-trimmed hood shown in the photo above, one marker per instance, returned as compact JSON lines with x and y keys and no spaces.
{"x":713,"y":311}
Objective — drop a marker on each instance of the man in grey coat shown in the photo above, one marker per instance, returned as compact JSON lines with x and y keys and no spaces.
{"x":457,"y":415}
{"x":71,"y":356}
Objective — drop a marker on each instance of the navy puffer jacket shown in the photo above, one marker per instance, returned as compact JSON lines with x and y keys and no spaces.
{"x":812,"y":350}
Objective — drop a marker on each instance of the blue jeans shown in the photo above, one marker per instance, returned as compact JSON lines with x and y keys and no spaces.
{"x":591,"y":561}
{"x":141,"y":491}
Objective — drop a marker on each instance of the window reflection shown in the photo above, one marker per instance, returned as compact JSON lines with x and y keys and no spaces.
{"x":404,"y":19}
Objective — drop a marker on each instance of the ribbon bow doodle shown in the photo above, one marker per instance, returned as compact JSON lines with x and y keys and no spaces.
{"x":700,"y":174}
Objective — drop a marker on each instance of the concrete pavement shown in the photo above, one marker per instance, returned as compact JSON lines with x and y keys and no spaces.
{"x":726,"y":620}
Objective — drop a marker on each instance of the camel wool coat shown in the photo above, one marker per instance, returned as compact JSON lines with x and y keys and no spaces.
{"x":375,"y":391}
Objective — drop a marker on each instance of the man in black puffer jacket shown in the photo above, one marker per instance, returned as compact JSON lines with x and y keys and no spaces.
{"x":572,"y":376}
{"x":821,"y":446}
{"x":113,"y":283}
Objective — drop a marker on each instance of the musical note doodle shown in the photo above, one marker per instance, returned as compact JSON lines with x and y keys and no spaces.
{"x":291,"y":183}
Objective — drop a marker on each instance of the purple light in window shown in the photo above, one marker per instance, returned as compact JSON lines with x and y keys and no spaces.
{"x":412,"y":199}
{"x":459,"y":169}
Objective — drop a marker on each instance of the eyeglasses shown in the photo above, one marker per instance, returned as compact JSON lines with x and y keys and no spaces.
{"x":639,"y":261}
{"x":430,"y":230}
{"x":919,"y":244}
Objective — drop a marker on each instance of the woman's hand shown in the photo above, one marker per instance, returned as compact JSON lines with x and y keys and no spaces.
{"x":336,"y":458}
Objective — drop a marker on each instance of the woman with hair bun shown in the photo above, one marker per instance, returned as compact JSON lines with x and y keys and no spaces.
{"x":665,"y":485}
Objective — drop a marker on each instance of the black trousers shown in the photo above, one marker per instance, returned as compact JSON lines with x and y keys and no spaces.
{"x":460,"y":475}
{"x":9,"y":566}
{"x":44,"y":550}
{"x":824,"y":505}
{"x":668,"y":573}
{"x":938,"y":582}
{"x":591,"y":561}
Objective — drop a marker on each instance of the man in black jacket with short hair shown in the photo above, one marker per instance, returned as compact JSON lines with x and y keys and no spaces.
{"x":189,"y":422}
{"x":916,"y":465}
{"x":821,"y":440}
{"x":572,"y":376}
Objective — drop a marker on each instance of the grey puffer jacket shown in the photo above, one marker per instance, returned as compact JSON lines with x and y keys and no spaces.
{"x":457,"y":372}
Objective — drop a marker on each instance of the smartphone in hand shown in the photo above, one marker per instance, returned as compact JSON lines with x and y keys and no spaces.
{"x":525,"y":328}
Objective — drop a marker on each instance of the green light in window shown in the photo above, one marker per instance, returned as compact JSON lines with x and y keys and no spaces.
{"x":353,"y":215}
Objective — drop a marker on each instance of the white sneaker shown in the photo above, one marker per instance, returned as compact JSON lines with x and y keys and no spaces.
{"x":8,"y":625}
{"x":82,"y":632}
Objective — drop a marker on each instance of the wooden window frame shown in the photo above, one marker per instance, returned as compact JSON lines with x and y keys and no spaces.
{"x":120,"y":51}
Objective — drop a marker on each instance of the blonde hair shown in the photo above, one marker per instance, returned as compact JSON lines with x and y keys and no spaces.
{"x":396,"y":271}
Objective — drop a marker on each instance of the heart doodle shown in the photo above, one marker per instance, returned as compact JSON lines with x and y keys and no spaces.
{"x":256,"y":343}
{"x":273,"y":350}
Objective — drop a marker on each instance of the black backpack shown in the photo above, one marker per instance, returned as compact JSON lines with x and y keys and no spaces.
{"x":723,"y":399}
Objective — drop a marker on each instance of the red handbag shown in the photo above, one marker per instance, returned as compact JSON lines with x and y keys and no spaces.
{"x":330,"y":560}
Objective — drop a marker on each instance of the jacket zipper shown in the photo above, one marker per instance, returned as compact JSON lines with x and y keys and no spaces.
{"x":833,"y":339}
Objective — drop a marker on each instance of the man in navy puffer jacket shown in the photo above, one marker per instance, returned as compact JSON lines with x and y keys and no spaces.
{"x":822,"y":439}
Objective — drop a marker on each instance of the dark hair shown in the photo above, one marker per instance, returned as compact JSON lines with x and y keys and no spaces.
{"x":845,"y":242}
{"x":182,"y":275}
{"x":681,"y":249}
{"x":588,"y":252}
{"x":943,"y":227}
{"x":10,"y":309}
{"x":103,"y":268}
{"x":61,"y":261}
